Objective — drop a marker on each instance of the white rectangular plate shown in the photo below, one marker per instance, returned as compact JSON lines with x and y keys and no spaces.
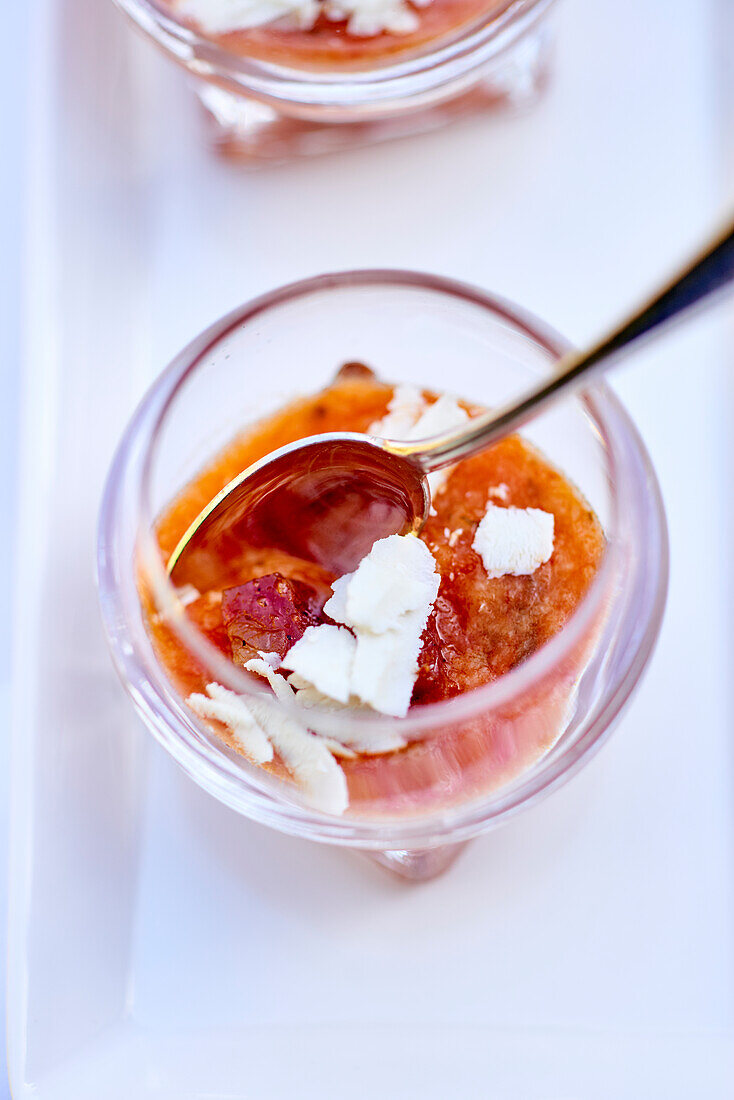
{"x":160,"y":945}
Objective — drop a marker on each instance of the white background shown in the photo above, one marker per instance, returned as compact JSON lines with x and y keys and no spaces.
{"x":613,"y":230}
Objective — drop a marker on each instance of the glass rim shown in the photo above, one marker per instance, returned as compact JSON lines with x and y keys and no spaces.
{"x":471,"y":47}
{"x":608,"y":418}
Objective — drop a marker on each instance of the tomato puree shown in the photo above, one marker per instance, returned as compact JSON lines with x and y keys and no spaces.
{"x":479,"y":628}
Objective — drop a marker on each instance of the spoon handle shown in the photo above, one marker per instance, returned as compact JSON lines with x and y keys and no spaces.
{"x":711,"y":270}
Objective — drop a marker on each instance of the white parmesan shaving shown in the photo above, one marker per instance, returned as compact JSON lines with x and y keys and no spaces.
{"x":301,"y":691}
{"x":500,"y":492}
{"x":365,"y":18}
{"x":386,"y":665}
{"x":387,"y":601}
{"x":370,"y":17}
{"x":281,"y":688}
{"x":309,"y":696}
{"x":336,"y":606}
{"x":514,"y":541}
{"x":226,"y":707}
{"x":273,"y":659}
{"x":187,"y":594}
{"x":405,"y":408}
{"x":298,"y":682}
{"x":305,"y":756}
{"x":398,"y":575}
{"x":443,"y":415}
{"x":224,"y":16}
{"x":336,"y":748}
{"x":260,"y":727}
{"x":410,"y":417}
{"x":372,"y":742}
{"x":324,"y":657}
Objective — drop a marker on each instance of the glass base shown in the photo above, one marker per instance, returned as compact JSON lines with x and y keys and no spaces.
{"x":248,"y":130}
{"x":420,"y":865}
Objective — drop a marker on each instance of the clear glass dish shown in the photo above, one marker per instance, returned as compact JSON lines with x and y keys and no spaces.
{"x":262,"y":110}
{"x":544,"y":719}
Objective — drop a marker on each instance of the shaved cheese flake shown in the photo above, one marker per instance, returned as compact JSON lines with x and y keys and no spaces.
{"x":296,"y":689}
{"x":324,"y":657}
{"x":404,"y":409}
{"x":229,"y":709}
{"x":386,"y":665}
{"x":443,"y":415}
{"x":305,"y":756}
{"x":224,"y":16}
{"x":514,"y":541}
{"x":188,"y":594}
{"x":409,"y":418}
{"x":500,"y":492}
{"x":261,"y":727}
{"x":372,"y":742}
{"x":387,"y":601}
{"x":336,"y":606}
{"x":365,"y":18}
{"x":281,"y":688}
{"x":397,"y":576}
{"x":273,"y":659}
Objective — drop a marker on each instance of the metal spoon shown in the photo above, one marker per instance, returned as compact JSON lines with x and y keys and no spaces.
{"x":328,"y":498}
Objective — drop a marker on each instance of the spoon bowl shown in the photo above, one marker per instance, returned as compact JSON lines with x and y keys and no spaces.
{"x":325,"y":499}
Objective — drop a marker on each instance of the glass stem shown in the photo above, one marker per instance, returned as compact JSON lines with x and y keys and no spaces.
{"x":418,"y":865}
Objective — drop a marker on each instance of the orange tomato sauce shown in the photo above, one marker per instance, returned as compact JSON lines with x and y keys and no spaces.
{"x":479,"y":628}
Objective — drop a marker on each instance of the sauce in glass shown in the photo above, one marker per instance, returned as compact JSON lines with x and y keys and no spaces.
{"x":479,"y":629}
